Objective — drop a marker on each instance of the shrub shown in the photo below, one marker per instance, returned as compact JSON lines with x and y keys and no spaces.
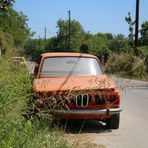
{"x":15,"y":131}
{"x":142,"y":50}
{"x":127,"y":65}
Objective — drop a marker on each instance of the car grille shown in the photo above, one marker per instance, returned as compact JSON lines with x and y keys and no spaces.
{"x":82,"y":100}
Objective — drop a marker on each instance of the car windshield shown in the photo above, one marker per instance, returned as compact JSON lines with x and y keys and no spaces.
{"x":70,"y":66}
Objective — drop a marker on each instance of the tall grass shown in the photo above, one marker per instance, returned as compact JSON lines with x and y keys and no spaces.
{"x":15,"y":131}
{"x":127,"y":65}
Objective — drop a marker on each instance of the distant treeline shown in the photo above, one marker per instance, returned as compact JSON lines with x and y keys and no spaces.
{"x":100,"y":44}
{"x":15,"y":33}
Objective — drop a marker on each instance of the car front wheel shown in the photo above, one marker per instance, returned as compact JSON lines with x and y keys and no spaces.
{"x":113,"y":122}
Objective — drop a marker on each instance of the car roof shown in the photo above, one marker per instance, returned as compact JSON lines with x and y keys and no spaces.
{"x":67,"y":54}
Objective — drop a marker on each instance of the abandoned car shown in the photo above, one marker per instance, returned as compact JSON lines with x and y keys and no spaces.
{"x":74,"y":86}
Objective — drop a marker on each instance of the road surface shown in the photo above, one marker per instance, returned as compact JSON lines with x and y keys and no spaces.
{"x":133,"y":131}
{"x":31,"y":66}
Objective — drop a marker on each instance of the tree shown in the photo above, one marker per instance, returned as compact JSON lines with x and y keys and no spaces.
{"x":33,"y":48}
{"x":13,"y":30}
{"x":77,"y":35}
{"x":98,"y":46}
{"x":6,"y":42}
{"x":52,"y":45}
{"x":84,"y":48}
{"x":109,"y":36}
{"x":85,"y":45}
{"x":4,"y":4}
{"x":119,"y":44}
{"x":144,"y":33}
{"x":15,"y":24}
{"x":131,"y":28}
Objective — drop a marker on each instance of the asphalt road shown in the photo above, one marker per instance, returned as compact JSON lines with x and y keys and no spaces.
{"x":133,"y":131}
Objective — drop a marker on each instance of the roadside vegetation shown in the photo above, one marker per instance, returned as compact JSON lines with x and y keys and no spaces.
{"x":126,"y":65}
{"x":15,"y":89}
{"x":16,"y":131}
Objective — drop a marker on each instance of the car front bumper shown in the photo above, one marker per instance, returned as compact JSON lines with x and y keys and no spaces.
{"x":110,"y":111}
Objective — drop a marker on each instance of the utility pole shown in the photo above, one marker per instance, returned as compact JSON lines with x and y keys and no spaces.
{"x":69,"y":30}
{"x":45,"y":37}
{"x":137,"y":23}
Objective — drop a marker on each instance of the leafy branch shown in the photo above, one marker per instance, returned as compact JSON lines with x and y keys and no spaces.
{"x":4,"y":4}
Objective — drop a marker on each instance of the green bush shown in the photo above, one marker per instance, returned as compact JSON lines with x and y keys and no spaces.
{"x":6,"y":41}
{"x":15,"y":131}
{"x":143,"y":50}
{"x":127,"y":65}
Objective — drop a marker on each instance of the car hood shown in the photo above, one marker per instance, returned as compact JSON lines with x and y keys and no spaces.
{"x":76,"y":83}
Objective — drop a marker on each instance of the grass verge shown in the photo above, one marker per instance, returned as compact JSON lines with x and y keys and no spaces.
{"x":15,"y":131}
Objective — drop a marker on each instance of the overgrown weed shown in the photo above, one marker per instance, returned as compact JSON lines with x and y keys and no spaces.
{"x":127,"y":65}
{"x":15,"y":131}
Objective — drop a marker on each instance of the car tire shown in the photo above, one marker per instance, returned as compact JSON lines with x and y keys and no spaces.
{"x":113,"y":122}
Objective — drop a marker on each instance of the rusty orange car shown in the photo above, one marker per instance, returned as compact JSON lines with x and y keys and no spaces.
{"x":74,"y":86}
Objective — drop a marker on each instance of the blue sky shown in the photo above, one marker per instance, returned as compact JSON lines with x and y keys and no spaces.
{"x":94,"y":15}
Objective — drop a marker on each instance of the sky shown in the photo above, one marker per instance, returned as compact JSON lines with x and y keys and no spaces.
{"x":94,"y":15}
